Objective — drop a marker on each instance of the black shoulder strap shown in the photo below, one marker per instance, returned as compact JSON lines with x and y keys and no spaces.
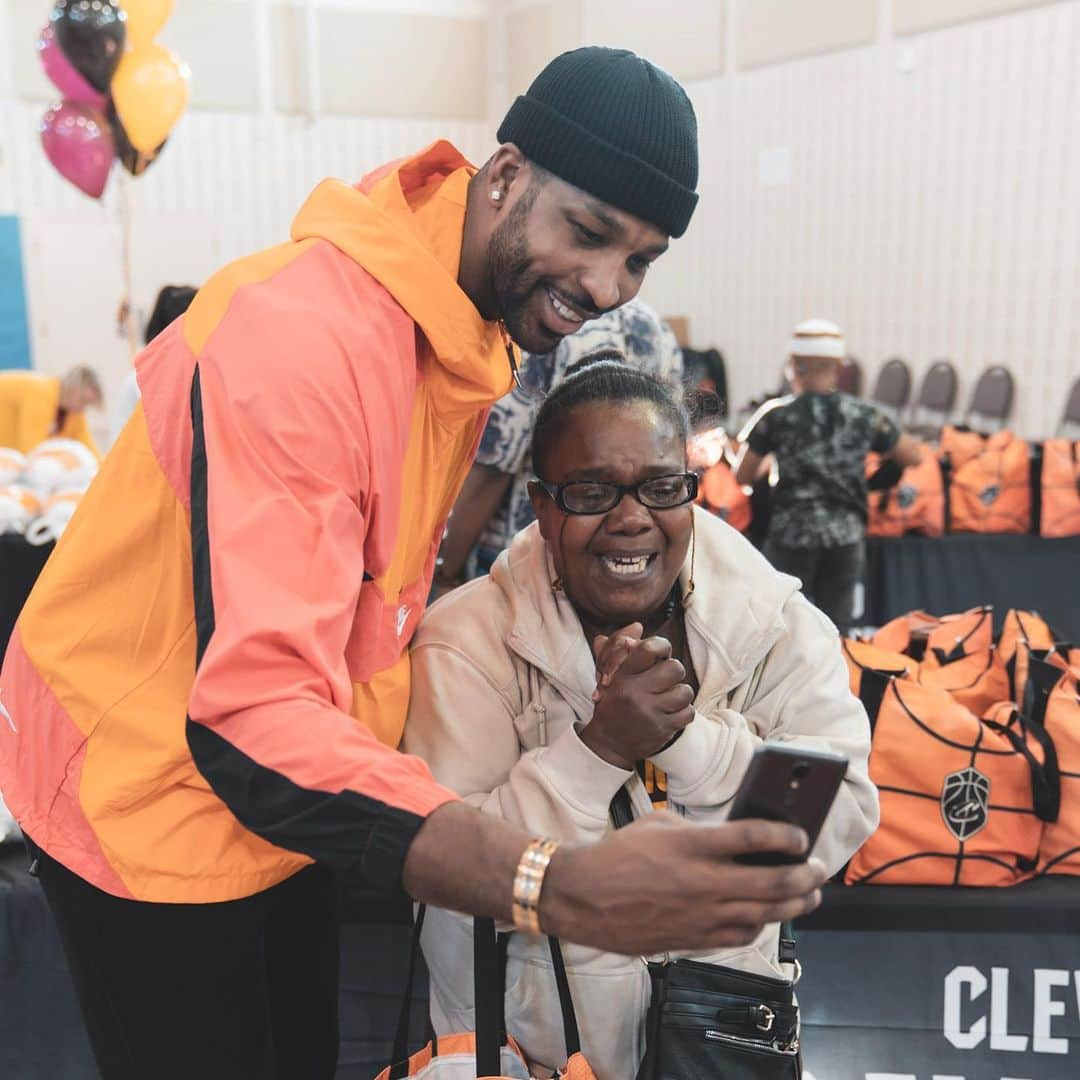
{"x":399,"y":1066}
{"x":787,"y":944}
{"x":488,"y":998}
{"x":622,"y":809}
{"x":566,"y":1001}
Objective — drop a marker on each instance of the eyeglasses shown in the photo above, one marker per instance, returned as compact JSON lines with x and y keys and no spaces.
{"x":598,"y":497}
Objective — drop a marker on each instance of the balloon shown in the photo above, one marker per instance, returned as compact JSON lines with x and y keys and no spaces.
{"x":78,"y":142}
{"x":91,"y":33}
{"x":133,"y":160}
{"x":150,"y":91}
{"x":145,"y":18}
{"x":64,"y":77}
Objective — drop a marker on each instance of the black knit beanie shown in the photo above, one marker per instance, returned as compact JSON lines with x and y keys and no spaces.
{"x":612,"y":124}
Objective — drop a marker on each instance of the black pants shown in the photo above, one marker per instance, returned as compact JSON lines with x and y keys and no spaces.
{"x":243,"y":990}
{"x":829,"y":576}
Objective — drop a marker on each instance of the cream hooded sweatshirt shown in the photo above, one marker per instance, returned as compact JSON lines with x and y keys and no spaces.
{"x":502,"y":684}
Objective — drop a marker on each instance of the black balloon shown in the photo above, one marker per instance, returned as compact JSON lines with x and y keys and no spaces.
{"x":133,"y":160}
{"x":91,"y":34}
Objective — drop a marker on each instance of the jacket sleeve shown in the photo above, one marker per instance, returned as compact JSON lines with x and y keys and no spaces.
{"x":461,"y":722}
{"x":280,"y":491}
{"x":801,"y":697}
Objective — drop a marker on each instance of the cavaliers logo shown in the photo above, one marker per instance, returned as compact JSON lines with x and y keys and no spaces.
{"x":906,"y":495}
{"x":965,"y":802}
{"x":989,"y":495}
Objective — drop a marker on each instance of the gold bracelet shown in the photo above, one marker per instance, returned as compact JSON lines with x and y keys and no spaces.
{"x":528,"y":881}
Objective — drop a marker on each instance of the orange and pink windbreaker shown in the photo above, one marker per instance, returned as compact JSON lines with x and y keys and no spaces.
{"x":207,"y":686}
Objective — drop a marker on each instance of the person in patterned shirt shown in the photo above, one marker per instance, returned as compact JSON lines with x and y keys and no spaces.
{"x":494,"y":503}
{"x":820,"y":439}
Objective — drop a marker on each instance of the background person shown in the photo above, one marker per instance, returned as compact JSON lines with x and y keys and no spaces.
{"x":171,"y":302}
{"x":820,"y":438}
{"x":36,"y":407}
{"x":494,"y":503}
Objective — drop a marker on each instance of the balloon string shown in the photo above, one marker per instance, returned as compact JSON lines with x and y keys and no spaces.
{"x":125,"y":259}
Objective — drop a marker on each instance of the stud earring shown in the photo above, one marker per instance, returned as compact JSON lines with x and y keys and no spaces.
{"x":496,"y":196}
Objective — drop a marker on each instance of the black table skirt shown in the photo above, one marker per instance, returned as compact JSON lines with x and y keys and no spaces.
{"x":954,"y":573}
{"x":20,"y":564}
{"x":1049,"y":905}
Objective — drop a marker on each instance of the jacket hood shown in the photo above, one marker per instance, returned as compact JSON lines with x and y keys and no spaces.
{"x":736,"y":607}
{"x":403,"y":224}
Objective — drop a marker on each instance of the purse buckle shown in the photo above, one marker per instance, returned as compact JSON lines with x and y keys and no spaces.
{"x":768,"y":1018}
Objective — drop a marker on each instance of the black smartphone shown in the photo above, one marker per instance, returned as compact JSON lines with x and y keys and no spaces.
{"x":786,"y":783}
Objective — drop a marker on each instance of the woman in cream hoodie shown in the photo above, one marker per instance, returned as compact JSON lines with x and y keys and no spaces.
{"x":626,"y":640}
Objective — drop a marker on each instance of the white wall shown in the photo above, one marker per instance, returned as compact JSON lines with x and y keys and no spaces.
{"x":932,"y":205}
{"x":932,"y":211}
{"x":229,"y":183}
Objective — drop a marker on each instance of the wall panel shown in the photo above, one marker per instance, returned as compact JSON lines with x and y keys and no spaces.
{"x":932,"y":213}
{"x":770,"y":31}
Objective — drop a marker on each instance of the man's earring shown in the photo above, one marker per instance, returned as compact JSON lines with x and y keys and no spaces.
{"x":496,"y":195}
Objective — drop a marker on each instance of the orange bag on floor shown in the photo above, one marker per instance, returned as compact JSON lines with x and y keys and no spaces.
{"x":958,"y":795}
{"x":915,"y":504}
{"x":950,"y":636}
{"x":1061,"y":488}
{"x":991,"y":493}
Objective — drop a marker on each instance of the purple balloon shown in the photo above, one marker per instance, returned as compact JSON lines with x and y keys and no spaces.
{"x":79,"y":143}
{"x":63,"y":74}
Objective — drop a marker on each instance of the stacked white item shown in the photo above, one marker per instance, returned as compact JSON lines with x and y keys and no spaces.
{"x":39,"y":492}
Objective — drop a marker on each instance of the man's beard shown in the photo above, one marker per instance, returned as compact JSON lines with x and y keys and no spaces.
{"x":512,"y":279}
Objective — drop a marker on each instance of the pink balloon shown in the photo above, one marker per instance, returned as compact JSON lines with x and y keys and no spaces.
{"x":63,"y":74}
{"x":79,"y":143}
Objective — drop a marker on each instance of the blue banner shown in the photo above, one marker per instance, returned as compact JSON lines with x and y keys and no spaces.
{"x":14,"y":327}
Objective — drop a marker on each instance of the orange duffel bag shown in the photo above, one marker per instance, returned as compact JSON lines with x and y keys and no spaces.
{"x":915,"y":504}
{"x":1025,"y":634}
{"x":718,"y":491}
{"x":869,"y":669}
{"x":991,"y":493}
{"x":720,"y":494}
{"x":949,"y":636}
{"x":961,"y":797}
{"x":1060,"y":488}
{"x":1053,"y":698}
{"x":976,"y":680}
{"x":958,"y":446}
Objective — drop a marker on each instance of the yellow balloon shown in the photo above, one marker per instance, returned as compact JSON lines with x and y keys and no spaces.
{"x":145,"y":18}
{"x":150,"y":92}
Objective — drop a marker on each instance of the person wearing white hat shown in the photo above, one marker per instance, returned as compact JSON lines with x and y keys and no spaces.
{"x":820,"y":439}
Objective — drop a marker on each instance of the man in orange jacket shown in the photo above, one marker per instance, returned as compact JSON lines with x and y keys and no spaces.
{"x":201,"y":704}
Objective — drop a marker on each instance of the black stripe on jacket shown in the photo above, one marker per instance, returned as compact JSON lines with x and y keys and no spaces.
{"x":359,"y":836}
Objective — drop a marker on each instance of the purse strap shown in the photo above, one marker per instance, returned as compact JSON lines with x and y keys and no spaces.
{"x":490,"y":951}
{"x":566,"y":1001}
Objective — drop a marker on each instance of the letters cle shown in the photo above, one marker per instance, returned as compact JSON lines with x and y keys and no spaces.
{"x":967,"y":1026}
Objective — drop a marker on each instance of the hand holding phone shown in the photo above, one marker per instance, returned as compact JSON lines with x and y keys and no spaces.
{"x":786,"y":783}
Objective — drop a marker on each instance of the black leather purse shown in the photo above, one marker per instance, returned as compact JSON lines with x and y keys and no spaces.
{"x":706,"y":1020}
